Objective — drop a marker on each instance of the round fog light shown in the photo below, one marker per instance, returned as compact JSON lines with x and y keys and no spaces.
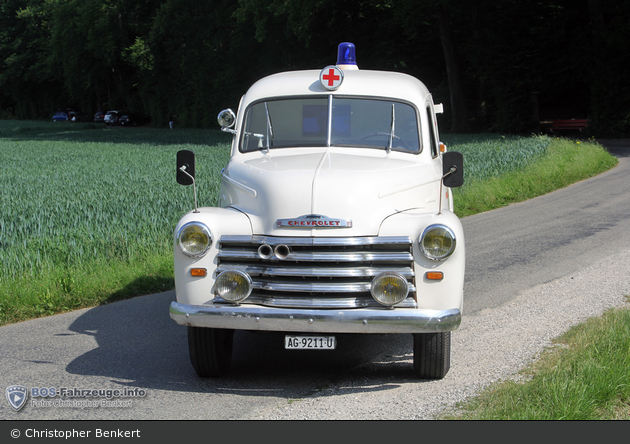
{"x":389,"y":288}
{"x":233,"y":285}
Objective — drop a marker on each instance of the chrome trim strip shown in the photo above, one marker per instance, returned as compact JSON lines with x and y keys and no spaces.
{"x":251,"y":191}
{"x":348,"y":287}
{"x":328,"y":272}
{"x":317,"y":302}
{"x":350,"y":256}
{"x":320,"y":287}
{"x":361,"y":320}
{"x":316,"y":241}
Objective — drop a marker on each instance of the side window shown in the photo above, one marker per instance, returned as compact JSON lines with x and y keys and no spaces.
{"x":434,"y":143}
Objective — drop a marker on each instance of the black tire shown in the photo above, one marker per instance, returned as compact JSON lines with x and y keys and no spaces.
{"x":210,"y":350}
{"x":431,"y":355}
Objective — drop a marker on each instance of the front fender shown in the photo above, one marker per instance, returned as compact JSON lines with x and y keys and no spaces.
{"x":447,"y":293}
{"x":221,"y":221}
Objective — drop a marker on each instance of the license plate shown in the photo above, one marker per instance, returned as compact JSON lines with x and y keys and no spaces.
{"x":310,"y":342}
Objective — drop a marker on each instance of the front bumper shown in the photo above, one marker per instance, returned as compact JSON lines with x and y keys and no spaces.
{"x":360,"y":320}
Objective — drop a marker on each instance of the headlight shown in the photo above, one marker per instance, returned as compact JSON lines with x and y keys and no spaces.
{"x":233,"y":285}
{"x":194,"y":238}
{"x":389,"y":288}
{"x":437,"y":242}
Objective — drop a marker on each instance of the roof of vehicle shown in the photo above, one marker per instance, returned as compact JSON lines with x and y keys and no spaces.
{"x":356,"y":82}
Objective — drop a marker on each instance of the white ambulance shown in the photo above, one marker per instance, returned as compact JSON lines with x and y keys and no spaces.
{"x":335,"y":217}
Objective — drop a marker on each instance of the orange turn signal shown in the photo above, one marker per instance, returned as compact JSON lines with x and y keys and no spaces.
{"x":198,"y":272}
{"x":434,"y":275}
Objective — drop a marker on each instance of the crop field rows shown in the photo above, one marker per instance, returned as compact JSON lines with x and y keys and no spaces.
{"x":488,"y":156}
{"x":67,"y":198}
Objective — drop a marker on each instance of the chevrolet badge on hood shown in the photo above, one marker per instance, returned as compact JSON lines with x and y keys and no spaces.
{"x":314,"y":221}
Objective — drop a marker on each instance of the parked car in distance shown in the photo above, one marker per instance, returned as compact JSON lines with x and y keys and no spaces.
{"x":113,"y":117}
{"x":99,"y":117}
{"x":79,"y":116}
{"x":60,"y":116}
{"x":134,"y":119}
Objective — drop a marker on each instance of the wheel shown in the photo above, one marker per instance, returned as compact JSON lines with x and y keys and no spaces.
{"x":431,"y":354}
{"x":210,"y":350}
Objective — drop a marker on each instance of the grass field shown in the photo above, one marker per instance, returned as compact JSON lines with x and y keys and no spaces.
{"x":88,"y":212}
{"x":502,"y":170}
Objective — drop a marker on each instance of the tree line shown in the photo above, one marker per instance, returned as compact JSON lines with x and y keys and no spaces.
{"x":497,"y":65}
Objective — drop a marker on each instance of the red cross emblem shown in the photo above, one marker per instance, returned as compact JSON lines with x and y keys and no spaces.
{"x":331,"y":77}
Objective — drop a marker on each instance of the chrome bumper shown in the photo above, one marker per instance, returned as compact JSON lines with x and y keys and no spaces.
{"x":360,"y":320}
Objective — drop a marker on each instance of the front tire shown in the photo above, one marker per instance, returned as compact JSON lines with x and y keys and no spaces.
{"x":431,"y":354}
{"x":210,"y":350}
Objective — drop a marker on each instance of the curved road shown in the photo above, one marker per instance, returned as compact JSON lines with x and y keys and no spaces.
{"x":519,"y":258}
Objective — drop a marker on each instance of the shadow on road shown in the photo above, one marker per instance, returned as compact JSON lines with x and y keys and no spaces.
{"x":139,"y":345}
{"x":616,"y":147}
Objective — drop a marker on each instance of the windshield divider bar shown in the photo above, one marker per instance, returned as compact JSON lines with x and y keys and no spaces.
{"x":329,"y":131}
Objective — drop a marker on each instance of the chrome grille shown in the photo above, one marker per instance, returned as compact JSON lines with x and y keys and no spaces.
{"x":316,"y":272}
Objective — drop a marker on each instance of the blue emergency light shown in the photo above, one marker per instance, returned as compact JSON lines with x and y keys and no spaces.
{"x":346,"y":54}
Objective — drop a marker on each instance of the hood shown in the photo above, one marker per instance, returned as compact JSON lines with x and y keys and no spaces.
{"x":363,"y":189}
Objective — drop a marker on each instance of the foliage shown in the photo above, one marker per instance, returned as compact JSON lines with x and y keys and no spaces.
{"x":194,"y":57}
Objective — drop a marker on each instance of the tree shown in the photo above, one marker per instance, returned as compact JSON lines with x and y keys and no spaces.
{"x":31,"y":88}
{"x":459,"y":122}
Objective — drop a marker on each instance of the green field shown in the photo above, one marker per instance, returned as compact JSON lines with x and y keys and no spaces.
{"x":88,"y":212}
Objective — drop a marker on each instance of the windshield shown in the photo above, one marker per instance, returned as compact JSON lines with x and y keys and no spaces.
{"x":331,"y":121}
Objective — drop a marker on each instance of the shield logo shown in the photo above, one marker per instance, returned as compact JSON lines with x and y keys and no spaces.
{"x":16,"y":395}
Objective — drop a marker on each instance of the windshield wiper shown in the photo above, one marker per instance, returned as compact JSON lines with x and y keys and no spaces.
{"x":269,"y":129}
{"x":390,"y":144}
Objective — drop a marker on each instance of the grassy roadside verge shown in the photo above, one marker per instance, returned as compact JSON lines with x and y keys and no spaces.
{"x":584,"y":377}
{"x":87,"y":285}
{"x":565,"y":162}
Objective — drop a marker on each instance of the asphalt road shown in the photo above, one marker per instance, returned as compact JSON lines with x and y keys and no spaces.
{"x":534,"y":242}
{"x":134,"y":344}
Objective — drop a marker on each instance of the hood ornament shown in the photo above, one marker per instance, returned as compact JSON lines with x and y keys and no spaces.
{"x":314,"y":221}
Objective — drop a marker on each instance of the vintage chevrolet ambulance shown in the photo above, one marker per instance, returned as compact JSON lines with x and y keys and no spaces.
{"x":335,"y":217}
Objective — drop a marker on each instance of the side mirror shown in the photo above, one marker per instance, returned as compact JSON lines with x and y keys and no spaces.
{"x":453,"y":169}
{"x":185,"y":167}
